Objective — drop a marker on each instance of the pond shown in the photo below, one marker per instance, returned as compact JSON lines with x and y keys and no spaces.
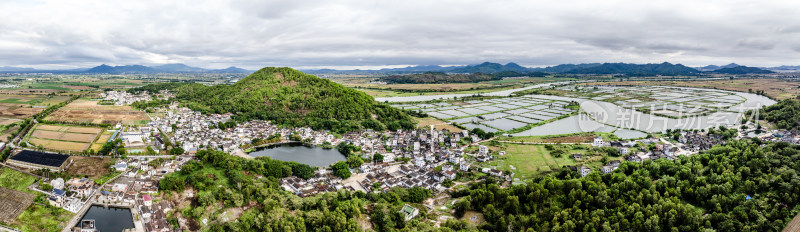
{"x":301,"y":153}
{"x":109,"y":219}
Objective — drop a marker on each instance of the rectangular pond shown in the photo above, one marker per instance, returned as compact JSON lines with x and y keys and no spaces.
{"x":109,"y":219}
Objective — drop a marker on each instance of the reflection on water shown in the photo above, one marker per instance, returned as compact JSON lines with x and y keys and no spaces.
{"x":109,"y":219}
{"x":311,"y":155}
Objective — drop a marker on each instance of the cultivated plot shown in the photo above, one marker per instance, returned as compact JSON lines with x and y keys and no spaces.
{"x":88,"y":111}
{"x":63,"y":137}
{"x":494,"y":115}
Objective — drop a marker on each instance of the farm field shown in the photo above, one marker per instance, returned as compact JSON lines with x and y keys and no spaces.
{"x":88,"y":111}
{"x":59,"y":145}
{"x":63,"y":138}
{"x":101,"y":140}
{"x":17,"y":111}
{"x":776,"y":88}
{"x":83,"y":83}
{"x":90,"y":166}
{"x":8,"y":121}
{"x":425,"y":123}
{"x":493,"y":115}
{"x":6,"y":131}
{"x":12,"y":203}
{"x":32,"y":100}
{"x":529,"y":160}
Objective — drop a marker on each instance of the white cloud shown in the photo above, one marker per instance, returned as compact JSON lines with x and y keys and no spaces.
{"x":253,"y":34}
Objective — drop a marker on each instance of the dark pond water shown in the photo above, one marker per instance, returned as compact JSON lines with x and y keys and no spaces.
{"x":109,"y":219}
{"x":298,"y":152}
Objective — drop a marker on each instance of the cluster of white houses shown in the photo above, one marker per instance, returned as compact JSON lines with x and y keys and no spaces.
{"x":195,"y":131}
{"x":122,"y":98}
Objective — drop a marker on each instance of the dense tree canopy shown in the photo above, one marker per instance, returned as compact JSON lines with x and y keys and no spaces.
{"x":785,"y":114}
{"x":706,"y":191}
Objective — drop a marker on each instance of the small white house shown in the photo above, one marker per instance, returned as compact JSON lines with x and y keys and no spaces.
{"x":598,"y":142}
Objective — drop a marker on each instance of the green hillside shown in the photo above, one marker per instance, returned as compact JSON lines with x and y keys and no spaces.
{"x":290,"y":97}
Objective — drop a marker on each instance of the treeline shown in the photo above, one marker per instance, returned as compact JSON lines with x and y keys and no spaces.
{"x":438,"y":78}
{"x":291,"y":98}
{"x":785,"y":114}
{"x":741,"y":186}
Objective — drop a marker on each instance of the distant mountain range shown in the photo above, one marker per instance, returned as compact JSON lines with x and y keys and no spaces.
{"x":742,"y":70}
{"x":131,"y":69}
{"x":512,"y":69}
{"x":712,"y":67}
{"x":509,"y":69}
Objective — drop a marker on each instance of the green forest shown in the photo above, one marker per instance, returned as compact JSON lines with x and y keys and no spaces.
{"x":785,"y":114}
{"x":737,"y":187}
{"x":292,"y":98}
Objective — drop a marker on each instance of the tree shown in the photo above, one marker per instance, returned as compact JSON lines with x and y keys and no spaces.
{"x":206,"y":198}
{"x":461,"y":207}
{"x":341,"y":169}
{"x":417,"y":194}
{"x":177,"y":151}
{"x":377,"y":158}
{"x":171,"y":182}
{"x":354,"y":161}
{"x":447,"y":183}
{"x":302,"y":170}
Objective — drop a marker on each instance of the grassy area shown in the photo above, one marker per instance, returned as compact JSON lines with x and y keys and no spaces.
{"x":585,"y":137}
{"x":15,"y":180}
{"x":529,"y":160}
{"x":47,"y":85}
{"x":42,"y":218}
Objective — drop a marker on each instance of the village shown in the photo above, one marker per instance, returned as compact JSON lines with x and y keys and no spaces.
{"x":428,"y":158}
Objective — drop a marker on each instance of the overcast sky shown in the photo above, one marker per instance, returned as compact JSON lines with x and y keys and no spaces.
{"x":370,"y":34}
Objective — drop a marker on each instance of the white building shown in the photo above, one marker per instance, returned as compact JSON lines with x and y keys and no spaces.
{"x":483,"y":150}
{"x":598,"y":142}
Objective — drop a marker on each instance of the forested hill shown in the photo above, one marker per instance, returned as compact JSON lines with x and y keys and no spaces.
{"x":290,"y":97}
{"x":785,"y":114}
